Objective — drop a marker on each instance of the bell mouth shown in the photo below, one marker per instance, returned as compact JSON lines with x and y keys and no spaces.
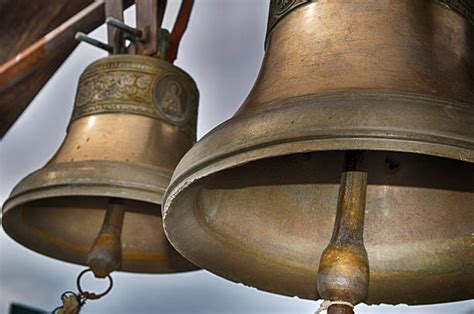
{"x":265,"y":222}
{"x":58,"y":211}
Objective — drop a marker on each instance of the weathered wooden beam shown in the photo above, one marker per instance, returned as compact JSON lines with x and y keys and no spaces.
{"x":23,"y":76}
{"x":24,"y":23}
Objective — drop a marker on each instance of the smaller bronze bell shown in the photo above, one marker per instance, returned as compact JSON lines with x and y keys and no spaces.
{"x":134,"y":118}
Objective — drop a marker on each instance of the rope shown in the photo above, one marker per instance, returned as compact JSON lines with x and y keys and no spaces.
{"x":326,"y":304}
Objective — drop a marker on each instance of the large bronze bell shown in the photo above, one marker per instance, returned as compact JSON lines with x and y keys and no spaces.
{"x":395,"y":79}
{"x":134,"y":118}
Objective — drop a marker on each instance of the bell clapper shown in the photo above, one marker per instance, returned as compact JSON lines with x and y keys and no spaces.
{"x":106,"y":252}
{"x":343,"y":275}
{"x":105,"y":257}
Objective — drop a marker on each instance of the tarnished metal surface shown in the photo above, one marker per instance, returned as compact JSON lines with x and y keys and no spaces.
{"x":58,"y":210}
{"x":265,"y":223}
{"x":138,"y":85}
{"x":280,"y":8}
{"x":258,"y":192}
{"x":418,"y":46}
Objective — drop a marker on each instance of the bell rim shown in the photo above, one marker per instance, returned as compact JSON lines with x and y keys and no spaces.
{"x":177,"y":263}
{"x":190,"y":166}
{"x":23,"y":192}
{"x":23,"y":195}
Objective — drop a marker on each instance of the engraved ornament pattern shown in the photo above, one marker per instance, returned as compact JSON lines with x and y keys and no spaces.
{"x":118,"y":86}
{"x":110,"y":86}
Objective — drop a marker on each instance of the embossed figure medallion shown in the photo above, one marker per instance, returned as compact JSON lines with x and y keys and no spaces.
{"x":170,"y":97}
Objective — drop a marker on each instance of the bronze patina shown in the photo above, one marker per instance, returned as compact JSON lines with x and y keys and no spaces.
{"x":258,"y":194}
{"x":134,"y":118}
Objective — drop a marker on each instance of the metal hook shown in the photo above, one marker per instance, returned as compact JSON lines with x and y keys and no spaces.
{"x":94,"y":42}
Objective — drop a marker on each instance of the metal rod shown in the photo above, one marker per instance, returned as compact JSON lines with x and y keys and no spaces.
{"x":164,"y":43}
{"x":106,"y":253}
{"x":94,"y":42}
{"x":344,"y":268}
{"x":135,"y":32}
{"x":114,"y":8}
{"x":149,"y":16}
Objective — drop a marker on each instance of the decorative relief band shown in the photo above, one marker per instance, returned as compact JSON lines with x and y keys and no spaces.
{"x":138,"y":85}
{"x":463,"y":7}
{"x":279,"y":8}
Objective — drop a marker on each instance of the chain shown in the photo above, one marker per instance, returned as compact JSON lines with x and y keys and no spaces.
{"x":74,"y":301}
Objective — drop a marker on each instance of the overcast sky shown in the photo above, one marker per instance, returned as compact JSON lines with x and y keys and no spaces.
{"x":222,"y":50}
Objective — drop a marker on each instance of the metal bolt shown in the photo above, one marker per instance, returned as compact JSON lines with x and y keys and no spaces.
{"x":135,"y":32}
{"x":94,"y":42}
